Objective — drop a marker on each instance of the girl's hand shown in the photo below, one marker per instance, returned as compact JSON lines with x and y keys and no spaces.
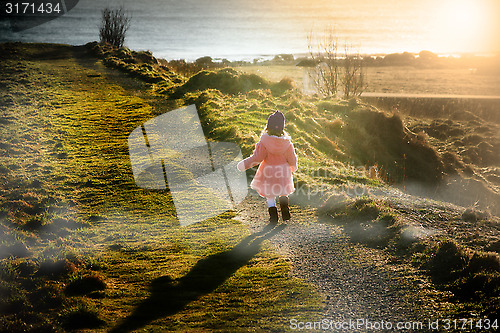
{"x":241,"y":166}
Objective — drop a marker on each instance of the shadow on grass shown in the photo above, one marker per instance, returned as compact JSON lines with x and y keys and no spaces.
{"x":169,"y":296}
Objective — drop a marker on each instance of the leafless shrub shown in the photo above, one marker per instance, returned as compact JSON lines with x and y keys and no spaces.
{"x":325,"y":76}
{"x":114,"y":26}
{"x":335,"y":73}
{"x":353,"y":75}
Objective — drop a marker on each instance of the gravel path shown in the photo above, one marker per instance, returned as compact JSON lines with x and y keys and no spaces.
{"x":356,"y":282}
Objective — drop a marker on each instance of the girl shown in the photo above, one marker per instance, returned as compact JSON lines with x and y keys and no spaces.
{"x":278,"y":160}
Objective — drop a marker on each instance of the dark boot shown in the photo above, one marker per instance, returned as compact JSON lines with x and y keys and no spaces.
{"x":273,"y":215}
{"x":285,"y":211}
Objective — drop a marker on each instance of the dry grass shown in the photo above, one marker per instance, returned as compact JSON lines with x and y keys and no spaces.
{"x":399,"y":79}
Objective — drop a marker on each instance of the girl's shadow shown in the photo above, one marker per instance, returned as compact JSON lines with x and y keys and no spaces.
{"x":171,"y":296}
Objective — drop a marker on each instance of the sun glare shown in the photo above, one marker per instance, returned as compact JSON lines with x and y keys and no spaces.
{"x":464,"y":13}
{"x":464,"y":24}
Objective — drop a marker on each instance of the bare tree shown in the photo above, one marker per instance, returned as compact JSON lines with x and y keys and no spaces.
{"x":114,"y":26}
{"x":326,"y":74}
{"x":335,"y":73}
{"x":353,"y":75}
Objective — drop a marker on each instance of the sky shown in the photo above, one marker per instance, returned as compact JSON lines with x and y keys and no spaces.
{"x":467,"y":22}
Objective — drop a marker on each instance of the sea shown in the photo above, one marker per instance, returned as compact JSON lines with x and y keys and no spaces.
{"x":250,"y":30}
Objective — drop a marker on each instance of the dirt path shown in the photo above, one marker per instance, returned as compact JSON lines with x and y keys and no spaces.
{"x":357,"y":283}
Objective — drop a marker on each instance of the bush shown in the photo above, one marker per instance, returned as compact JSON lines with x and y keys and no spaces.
{"x":114,"y":26}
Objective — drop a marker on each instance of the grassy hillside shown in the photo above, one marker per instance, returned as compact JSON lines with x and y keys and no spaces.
{"x":84,"y":247}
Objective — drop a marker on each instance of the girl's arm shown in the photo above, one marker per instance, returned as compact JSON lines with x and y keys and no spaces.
{"x":291,"y":158}
{"x":259,"y":154}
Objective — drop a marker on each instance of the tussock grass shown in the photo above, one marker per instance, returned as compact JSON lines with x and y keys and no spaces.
{"x":56,"y":268}
{"x":447,"y":108}
{"x":469,"y":147}
{"x":471,"y":275}
{"x":364,"y":219}
{"x":376,"y":138}
{"x":85,"y":284}
{"x":80,"y":317}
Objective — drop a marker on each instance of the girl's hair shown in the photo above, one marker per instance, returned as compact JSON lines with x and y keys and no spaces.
{"x":274,"y":132}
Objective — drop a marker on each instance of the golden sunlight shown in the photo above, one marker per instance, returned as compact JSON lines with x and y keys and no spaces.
{"x":466,"y":23}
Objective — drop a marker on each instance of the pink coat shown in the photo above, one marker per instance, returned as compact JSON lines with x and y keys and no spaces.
{"x":278,"y":160}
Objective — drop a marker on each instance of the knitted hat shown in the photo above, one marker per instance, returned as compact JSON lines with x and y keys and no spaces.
{"x":276,"y":121}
